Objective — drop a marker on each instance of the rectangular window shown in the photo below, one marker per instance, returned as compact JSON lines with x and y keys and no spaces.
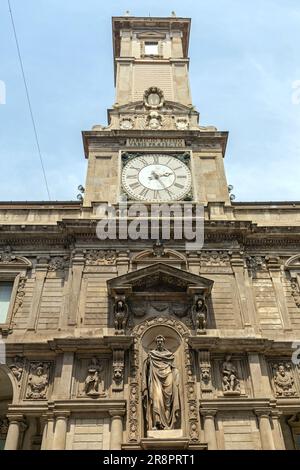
{"x":5,"y":295}
{"x":151,"y":48}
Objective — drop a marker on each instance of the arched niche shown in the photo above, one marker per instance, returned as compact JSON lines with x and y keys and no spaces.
{"x":173,"y":346}
{"x":292,"y":267}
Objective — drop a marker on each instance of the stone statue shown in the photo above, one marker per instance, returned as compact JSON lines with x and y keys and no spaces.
{"x":161,"y":388}
{"x":199,"y":315}
{"x":231,"y":382}
{"x":38,"y":381}
{"x":120,"y":316}
{"x":94,"y":383}
{"x":283,"y":380}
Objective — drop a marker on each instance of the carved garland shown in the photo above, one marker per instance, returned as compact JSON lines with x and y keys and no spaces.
{"x":190,"y":383}
{"x":100,"y":257}
{"x":19,"y":295}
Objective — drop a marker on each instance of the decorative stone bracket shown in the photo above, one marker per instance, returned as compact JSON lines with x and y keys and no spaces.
{"x":118,"y":346}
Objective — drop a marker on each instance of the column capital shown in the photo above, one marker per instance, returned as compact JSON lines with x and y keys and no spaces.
{"x":117,"y":413}
{"x":62,"y":414}
{"x":262,"y":412}
{"x":276,"y":414}
{"x":208,"y":413}
{"x":15,"y":418}
{"x":48,"y":416}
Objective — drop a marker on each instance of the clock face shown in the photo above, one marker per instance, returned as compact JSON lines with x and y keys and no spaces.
{"x":156,"y":177}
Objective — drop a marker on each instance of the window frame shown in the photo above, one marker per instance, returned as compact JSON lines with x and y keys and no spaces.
{"x":11,"y":281}
{"x":151,"y":43}
{"x":12,"y":272}
{"x":159,"y":48}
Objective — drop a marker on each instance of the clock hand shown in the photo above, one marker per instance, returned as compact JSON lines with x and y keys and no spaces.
{"x":161,"y":183}
{"x":153,"y":176}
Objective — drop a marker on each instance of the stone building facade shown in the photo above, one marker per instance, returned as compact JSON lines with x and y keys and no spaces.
{"x":80,"y":316}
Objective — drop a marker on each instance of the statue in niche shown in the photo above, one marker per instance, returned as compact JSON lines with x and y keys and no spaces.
{"x":230,"y":381}
{"x":94,"y":383}
{"x":199,"y":315}
{"x":283,"y":380}
{"x":38,"y":381}
{"x":161,"y":388}
{"x":120,"y":316}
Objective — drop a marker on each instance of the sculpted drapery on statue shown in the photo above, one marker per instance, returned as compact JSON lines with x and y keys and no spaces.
{"x":161,"y":388}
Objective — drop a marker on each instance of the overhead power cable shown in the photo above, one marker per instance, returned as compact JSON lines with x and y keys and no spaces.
{"x":28,"y":100}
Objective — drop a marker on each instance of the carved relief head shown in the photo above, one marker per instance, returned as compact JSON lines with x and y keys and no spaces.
{"x":205,"y":373}
{"x":160,"y":342}
{"x":118,"y":374}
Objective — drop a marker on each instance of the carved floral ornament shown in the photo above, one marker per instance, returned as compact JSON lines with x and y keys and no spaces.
{"x":126,"y":122}
{"x":19,"y":295}
{"x":214,"y":258}
{"x":58,"y":263}
{"x":8,"y":258}
{"x":100,"y":257}
{"x":4,"y":423}
{"x":153,"y":98}
{"x":182,"y":123}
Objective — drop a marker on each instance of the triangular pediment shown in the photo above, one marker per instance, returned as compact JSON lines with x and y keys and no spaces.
{"x":151,"y":35}
{"x":138,"y":105}
{"x":159,"y":278}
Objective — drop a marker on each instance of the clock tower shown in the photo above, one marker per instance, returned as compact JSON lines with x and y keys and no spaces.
{"x":153,"y":149}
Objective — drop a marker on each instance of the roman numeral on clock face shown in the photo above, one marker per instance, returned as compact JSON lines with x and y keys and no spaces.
{"x":169,"y":193}
{"x":181,"y":186}
{"x":155,"y":159}
{"x":144,"y":192}
{"x":134,"y":185}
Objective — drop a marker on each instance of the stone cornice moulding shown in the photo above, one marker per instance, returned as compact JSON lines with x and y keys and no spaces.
{"x":269,"y":347}
{"x":232,"y":403}
{"x":67,"y":406}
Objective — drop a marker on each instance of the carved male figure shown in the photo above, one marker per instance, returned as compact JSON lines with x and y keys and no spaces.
{"x":199,"y":315}
{"x":120,"y":316}
{"x":38,"y":381}
{"x":231,"y":382}
{"x":161,"y":388}
{"x":283,"y":380}
{"x":93,"y":384}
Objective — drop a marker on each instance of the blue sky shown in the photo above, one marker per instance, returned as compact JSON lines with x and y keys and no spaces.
{"x":244,"y":61}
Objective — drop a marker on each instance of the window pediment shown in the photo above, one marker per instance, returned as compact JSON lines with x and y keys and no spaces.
{"x":159,"y":277}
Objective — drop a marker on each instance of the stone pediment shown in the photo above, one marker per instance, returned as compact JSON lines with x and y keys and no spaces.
{"x":139,"y":105}
{"x":9,"y":260}
{"x":159,"y":278}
